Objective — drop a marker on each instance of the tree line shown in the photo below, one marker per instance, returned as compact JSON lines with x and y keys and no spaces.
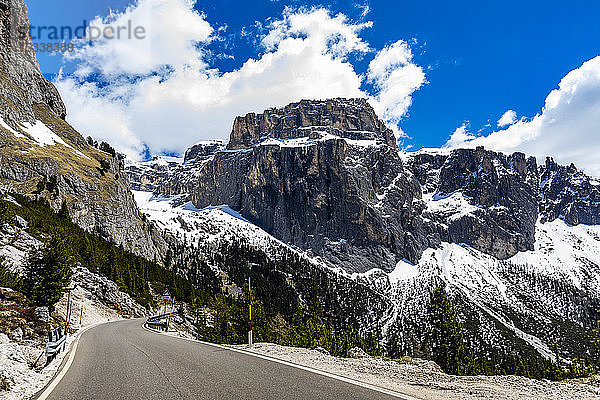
{"x":294,"y":302}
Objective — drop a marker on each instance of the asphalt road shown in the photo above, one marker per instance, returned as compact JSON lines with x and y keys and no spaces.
{"x":123,"y":361}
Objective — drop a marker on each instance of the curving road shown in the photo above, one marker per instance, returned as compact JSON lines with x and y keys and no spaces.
{"x":123,"y":361}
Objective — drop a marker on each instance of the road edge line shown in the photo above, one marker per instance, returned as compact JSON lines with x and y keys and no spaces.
{"x":62,"y":371}
{"x":294,"y":365}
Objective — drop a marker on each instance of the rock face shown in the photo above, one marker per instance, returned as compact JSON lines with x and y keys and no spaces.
{"x":320,"y":175}
{"x":42,"y":155}
{"x":346,"y":118}
{"x":148,"y":176}
{"x":202,"y":151}
{"x":327,"y":177}
{"x":569,"y":194}
{"x":503,"y":190}
{"x":22,"y":85}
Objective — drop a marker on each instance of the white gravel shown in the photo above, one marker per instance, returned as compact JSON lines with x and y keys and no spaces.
{"x":15,"y":359}
{"x":424,"y":379}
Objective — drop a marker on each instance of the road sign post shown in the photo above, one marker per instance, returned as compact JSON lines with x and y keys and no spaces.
{"x":250,"y":313}
{"x":68,"y":316}
{"x":170,"y":313}
{"x":165,"y":298}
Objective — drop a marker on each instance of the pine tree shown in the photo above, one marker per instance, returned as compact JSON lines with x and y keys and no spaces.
{"x":8,"y":278}
{"x":444,"y":337}
{"x":47,"y":272}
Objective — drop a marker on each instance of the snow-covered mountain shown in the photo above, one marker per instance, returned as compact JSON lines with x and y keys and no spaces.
{"x":514,"y":243}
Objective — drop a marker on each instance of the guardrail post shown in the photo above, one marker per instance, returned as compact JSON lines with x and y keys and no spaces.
{"x":57,"y":342}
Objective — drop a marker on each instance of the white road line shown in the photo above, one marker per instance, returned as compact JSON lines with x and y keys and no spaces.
{"x":290,"y":364}
{"x":56,"y":380}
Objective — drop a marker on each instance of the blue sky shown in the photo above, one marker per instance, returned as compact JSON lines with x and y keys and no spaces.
{"x":479,"y":58}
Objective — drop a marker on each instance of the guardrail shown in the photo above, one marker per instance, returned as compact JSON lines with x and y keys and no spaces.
{"x":158,"y":317}
{"x":56,"y":343}
{"x":155,"y":322}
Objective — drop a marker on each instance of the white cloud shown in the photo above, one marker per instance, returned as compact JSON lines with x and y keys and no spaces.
{"x":459,"y":137}
{"x":508,"y":118}
{"x":169,"y":28}
{"x":334,"y":35}
{"x":395,"y":78}
{"x":568,"y":127}
{"x":170,"y":98}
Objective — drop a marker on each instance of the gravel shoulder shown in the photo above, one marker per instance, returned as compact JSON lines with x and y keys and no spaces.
{"x":424,"y":379}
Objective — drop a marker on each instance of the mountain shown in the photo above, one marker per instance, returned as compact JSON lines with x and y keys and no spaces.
{"x":539,"y":290}
{"x":41,"y":155}
{"x":315,"y":202}
{"x":321,"y":175}
{"x":515,"y":243}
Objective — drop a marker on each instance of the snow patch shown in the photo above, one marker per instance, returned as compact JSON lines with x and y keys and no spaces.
{"x":307,"y":141}
{"x":404,"y":270}
{"x":42,"y":135}
{"x":4,"y":125}
{"x":211,"y":224}
{"x":564,"y":251}
{"x":453,"y":206}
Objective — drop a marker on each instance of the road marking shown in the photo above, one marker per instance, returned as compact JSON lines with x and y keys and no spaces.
{"x":291,"y":364}
{"x":58,"y":377}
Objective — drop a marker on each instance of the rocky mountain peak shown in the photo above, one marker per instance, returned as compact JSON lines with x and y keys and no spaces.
{"x":203,"y":149}
{"x":346,"y":118}
{"x":42,"y":156}
{"x":568,"y":194}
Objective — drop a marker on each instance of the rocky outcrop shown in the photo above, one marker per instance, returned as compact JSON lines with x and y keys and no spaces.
{"x":107,"y":293}
{"x":22,"y":84}
{"x":43,"y":156}
{"x":347,"y":118}
{"x":569,"y":194}
{"x":149,"y":176}
{"x":324,"y":176}
{"x":503,"y":190}
{"x":202,"y":151}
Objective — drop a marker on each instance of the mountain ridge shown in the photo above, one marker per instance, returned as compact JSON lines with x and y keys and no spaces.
{"x":486,"y":225}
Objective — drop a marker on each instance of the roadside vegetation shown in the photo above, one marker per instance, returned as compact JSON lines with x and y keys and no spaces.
{"x":47,"y":270}
{"x":293,"y":302}
{"x":446,"y":346}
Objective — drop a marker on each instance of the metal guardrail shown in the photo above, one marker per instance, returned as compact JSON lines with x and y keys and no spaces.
{"x":155,"y":322}
{"x":158,"y":317}
{"x":56,"y":343}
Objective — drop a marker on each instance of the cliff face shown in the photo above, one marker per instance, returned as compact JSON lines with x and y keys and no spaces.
{"x":569,"y":194}
{"x":326,"y":176}
{"x":348,"y":118}
{"x":499,"y":198}
{"x":322,"y":175}
{"x":42,"y":155}
{"x":22,"y":85}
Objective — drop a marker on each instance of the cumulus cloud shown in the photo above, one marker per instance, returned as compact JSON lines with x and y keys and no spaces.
{"x":169,"y":97}
{"x":168,"y":31}
{"x":567,"y":127}
{"x":508,"y":118}
{"x":395,"y":78}
{"x":459,"y":137}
